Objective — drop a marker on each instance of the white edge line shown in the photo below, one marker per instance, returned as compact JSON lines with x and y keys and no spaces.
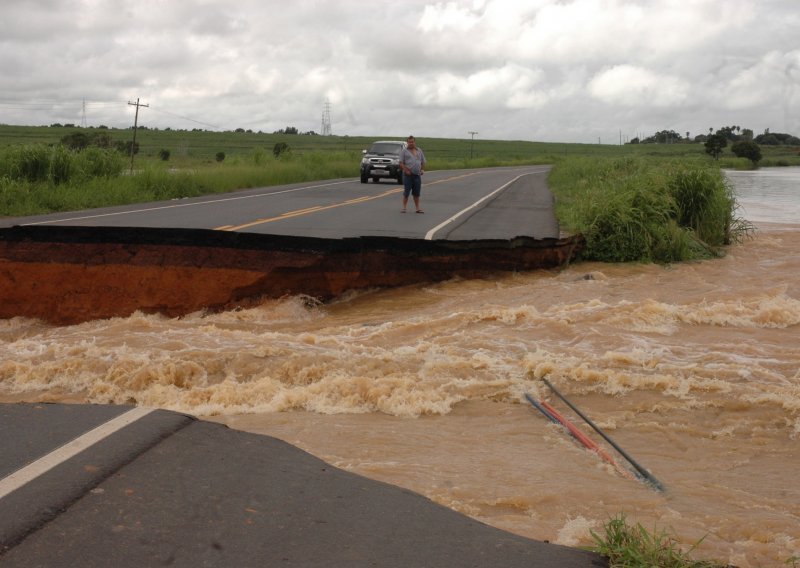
{"x":429,"y":234}
{"x":70,"y":449}
{"x":175,"y":206}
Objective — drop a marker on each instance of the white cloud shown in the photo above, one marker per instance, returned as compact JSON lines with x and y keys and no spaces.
{"x":573,"y":70}
{"x":628,"y":85}
{"x":758,"y":84}
{"x":511,"y":86}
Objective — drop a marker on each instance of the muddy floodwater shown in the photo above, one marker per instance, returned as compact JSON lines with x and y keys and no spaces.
{"x":693,"y":369}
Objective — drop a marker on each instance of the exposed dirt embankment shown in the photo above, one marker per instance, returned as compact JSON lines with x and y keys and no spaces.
{"x":67,"y":275}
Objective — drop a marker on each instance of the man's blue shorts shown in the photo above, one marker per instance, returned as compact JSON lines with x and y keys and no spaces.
{"x":412,"y":184}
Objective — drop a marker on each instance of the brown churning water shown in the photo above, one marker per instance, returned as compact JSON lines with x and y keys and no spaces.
{"x":692,"y":368}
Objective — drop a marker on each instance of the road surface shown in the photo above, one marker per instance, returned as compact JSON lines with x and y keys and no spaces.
{"x":491,"y":203}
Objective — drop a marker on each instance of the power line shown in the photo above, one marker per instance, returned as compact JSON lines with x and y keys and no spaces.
{"x":84,"y":105}
{"x":184,"y":117}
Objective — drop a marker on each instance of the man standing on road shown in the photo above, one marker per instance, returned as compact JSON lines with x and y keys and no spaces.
{"x":412,"y":162}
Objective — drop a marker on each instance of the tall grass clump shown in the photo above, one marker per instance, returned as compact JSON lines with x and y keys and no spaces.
{"x":29,"y":163}
{"x":58,"y":165}
{"x":638,"y":209}
{"x":629,"y":546}
{"x":39,"y":178}
{"x":100,"y":162}
{"x":705,"y":204}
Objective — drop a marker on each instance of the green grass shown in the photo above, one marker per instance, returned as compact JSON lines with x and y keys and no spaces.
{"x":633,"y":546}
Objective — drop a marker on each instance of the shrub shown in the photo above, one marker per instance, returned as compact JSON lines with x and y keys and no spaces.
{"x":125,"y":147}
{"x":280,"y":148}
{"x":98,"y":162}
{"x":75,"y":141}
{"x":747,"y":149}
{"x":220,"y":156}
{"x":163,"y":154}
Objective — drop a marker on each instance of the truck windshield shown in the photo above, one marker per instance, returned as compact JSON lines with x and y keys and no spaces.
{"x":385,"y":149}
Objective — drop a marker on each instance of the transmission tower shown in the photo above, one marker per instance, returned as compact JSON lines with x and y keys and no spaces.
{"x":326,"y":118}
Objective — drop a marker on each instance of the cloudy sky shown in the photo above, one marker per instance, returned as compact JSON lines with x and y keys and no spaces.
{"x":545,"y":70}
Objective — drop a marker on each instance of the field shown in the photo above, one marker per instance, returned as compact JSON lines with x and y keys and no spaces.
{"x":197,"y":147}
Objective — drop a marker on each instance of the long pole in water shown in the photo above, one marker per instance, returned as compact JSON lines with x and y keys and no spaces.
{"x":539,"y":407}
{"x":554,"y":416}
{"x":646,"y":474}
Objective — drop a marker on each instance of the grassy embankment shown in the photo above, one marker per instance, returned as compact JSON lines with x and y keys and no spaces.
{"x":652,"y":203}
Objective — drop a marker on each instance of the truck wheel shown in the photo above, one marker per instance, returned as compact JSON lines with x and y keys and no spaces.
{"x":364,"y":178}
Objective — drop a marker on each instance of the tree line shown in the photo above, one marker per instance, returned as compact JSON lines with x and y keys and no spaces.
{"x":730,"y":133}
{"x":743,"y":143}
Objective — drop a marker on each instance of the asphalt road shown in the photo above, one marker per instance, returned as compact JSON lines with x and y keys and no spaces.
{"x":490,"y":203}
{"x":127,"y":487}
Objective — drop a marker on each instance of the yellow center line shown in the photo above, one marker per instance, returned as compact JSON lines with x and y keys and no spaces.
{"x":300,"y":211}
{"x":318,"y":208}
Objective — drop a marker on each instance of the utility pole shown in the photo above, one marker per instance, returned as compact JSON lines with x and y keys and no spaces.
{"x":473,"y":133}
{"x":137,"y":104}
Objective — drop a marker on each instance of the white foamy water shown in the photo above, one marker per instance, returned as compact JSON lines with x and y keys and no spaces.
{"x":692,"y":368}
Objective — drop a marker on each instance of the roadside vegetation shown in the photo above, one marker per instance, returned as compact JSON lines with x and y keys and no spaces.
{"x":646,"y":210}
{"x":646,"y":202}
{"x":630,"y":546}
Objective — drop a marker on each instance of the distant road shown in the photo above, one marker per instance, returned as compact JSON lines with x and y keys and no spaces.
{"x":489,"y":203}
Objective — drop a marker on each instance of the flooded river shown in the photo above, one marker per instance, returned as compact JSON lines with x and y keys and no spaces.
{"x":693,"y":369}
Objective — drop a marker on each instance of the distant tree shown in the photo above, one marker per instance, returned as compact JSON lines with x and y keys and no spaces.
{"x":715,"y":144}
{"x":729,"y":132}
{"x":663,"y":137}
{"x":747,"y":134}
{"x":768,"y":140}
{"x":239,"y":130}
{"x":280,"y":148}
{"x":747,"y":149}
{"x":776,"y":139}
